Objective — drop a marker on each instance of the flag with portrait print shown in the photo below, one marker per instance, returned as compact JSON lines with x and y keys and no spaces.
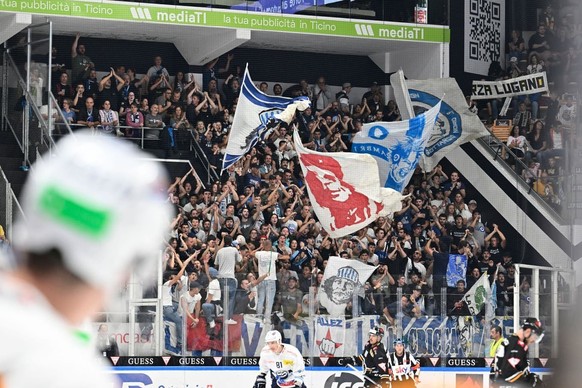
{"x":256,"y":116}
{"x":456,"y":269}
{"x":342,"y":279}
{"x":344,"y":189}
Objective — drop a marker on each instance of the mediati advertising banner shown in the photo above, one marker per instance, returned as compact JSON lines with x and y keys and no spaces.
{"x":191,"y":16}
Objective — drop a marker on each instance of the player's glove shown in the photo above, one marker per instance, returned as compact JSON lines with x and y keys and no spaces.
{"x":350,"y":361}
{"x":261,"y":381}
{"x":387,"y":377}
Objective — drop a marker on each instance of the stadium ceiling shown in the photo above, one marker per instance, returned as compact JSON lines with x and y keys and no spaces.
{"x":123,"y":30}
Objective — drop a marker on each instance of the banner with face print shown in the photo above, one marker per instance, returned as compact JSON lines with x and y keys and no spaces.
{"x":341,"y":280}
{"x":344,"y":189}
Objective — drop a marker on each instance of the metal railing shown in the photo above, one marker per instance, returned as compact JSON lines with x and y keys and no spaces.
{"x":143,"y":142}
{"x":8,"y":204}
{"x":524,"y":176}
{"x":211,"y":174}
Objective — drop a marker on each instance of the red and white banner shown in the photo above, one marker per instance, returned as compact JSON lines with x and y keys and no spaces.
{"x":344,"y":189}
{"x":330,"y":337}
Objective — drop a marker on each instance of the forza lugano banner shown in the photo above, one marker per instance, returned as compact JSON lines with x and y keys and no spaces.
{"x":527,"y":84}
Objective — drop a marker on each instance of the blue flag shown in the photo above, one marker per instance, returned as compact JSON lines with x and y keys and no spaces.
{"x":456,"y":124}
{"x":397,"y":146}
{"x":456,"y":269}
{"x":493,"y":297}
{"x":257,"y":114}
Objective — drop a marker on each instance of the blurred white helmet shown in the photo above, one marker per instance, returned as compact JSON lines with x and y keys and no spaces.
{"x":99,"y":203}
{"x":273,"y":336}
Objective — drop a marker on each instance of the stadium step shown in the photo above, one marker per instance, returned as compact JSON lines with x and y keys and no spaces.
{"x":11,"y":161}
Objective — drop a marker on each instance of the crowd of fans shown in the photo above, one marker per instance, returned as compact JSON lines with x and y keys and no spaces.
{"x":252,"y":237}
{"x":540,"y":139}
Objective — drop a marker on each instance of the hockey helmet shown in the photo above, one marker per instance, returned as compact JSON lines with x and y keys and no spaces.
{"x":376,"y":330}
{"x":100,"y":203}
{"x":398,"y":341}
{"x":536,"y":327}
{"x":273,"y":336}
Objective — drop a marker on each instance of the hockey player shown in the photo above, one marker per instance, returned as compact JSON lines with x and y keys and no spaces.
{"x":514,"y":367}
{"x":95,"y":211}
{"x":374,"y":360}
{"x":404,"y":369}
{"x":281,"y":365}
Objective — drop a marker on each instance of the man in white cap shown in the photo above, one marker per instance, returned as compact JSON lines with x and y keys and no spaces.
{"x":280,"y":363}
{"x":343,"y":97}
{"x":94,"y":212}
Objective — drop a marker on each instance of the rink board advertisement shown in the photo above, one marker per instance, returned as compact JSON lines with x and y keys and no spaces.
{"x":318,"y":378}
{"x":332,"y":337}
{"x":207,"y":362}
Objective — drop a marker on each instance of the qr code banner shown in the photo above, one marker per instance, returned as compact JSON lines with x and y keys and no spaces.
{"x":484,"y":34}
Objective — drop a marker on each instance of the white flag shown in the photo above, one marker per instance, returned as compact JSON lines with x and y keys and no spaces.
{"x":341,"y":279}
{"x":397,"y":146}
{"x":257,"y":114}
{"x":455,"y":124}
{"x":344,"y":189}
{"x":477,"y":296}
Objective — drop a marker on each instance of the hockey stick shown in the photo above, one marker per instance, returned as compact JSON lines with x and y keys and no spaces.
{"x":364,"y":376}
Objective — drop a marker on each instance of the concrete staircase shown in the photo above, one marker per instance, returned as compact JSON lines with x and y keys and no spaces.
{"x":10,"y":161}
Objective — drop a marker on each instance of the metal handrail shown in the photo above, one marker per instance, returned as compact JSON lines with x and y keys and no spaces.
{"x":55,"y":105}
{"x":12,"y":197}
{"x":143,"y":140}
{"x":520,"y":180}
{"x":186,"y":161}
{"x":203,"y":159}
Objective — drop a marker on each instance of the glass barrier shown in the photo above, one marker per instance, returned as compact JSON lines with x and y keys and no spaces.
{"x":27,"y":72}
{"x":12,"y":92}
{"x":196,"y":324}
